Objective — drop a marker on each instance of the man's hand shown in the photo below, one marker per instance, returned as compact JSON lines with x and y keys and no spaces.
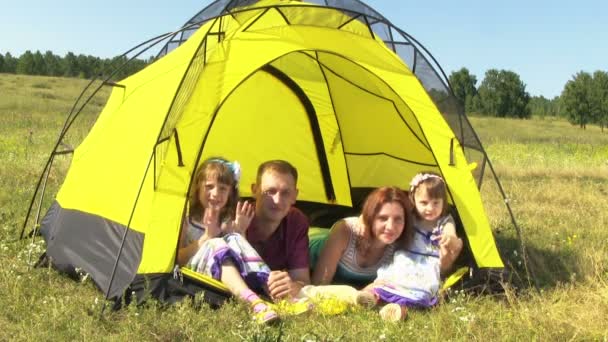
{"x":280,"y":285}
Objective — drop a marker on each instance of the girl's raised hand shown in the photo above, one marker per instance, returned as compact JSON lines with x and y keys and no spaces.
{"x":243,"y":216}
{"x":211,"y":222}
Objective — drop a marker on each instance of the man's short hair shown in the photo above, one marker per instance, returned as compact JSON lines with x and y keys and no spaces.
{"x":280,"y":166}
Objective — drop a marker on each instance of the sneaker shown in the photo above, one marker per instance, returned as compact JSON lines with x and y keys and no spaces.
{"x":393,"y":312}
{"x":263,"y":313}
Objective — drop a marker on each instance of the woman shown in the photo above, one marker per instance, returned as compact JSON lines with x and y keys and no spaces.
{"x":357,"y":246}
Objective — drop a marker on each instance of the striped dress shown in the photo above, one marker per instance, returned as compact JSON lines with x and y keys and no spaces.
{"x":209,"y":258}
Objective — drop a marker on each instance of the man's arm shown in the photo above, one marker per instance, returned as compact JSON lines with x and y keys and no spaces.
{"x":289,"y":282}
{"x":283,"y":284}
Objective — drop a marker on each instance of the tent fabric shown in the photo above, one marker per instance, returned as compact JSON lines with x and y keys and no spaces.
{"x":304,"y":83}
{"x":93,"y":243}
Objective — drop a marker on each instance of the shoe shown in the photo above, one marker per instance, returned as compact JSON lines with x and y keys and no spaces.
{"x":366,"y":299}
{"x":263,"y":312}
{"x":393,"y":312}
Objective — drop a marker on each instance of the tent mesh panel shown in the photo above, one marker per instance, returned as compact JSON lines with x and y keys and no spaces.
{"x":414,"y":55}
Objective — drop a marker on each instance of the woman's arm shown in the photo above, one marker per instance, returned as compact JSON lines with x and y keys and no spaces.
{"x":331,"y":253}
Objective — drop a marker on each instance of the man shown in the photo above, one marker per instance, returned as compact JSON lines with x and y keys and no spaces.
{"x":278,"y":231}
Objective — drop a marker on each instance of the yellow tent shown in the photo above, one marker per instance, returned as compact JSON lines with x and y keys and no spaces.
{"x":327,"y":88}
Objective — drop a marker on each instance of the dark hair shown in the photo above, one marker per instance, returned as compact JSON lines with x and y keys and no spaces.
{"x":222,"y":170}
{"x":374,"y":202}
{"x":280,"y":166}
{"x":435,"y":188}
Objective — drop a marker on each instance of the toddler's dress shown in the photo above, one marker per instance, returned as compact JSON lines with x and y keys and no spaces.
{"x":413,"y":278}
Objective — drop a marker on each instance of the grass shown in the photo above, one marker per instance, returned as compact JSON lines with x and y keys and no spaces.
{"x":554,"y":174}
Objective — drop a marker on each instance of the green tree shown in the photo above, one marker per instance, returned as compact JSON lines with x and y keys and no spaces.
{"x":25,"y":63}
{"x":576,"y":99}
{"x":1,"y":63}
{"x":10,"y":63}
{"x":464,"y":87}
{"x":54,"y":65}
{"x":541,"y":106}
{"x":70,"y":65}
{"x":39,"y":67}
{"x":599,"y":99}
{"x":503,"y":94}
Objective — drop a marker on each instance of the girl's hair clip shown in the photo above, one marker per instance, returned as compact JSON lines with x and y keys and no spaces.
{"x":421,"y":177}
{"x":234,"y":166}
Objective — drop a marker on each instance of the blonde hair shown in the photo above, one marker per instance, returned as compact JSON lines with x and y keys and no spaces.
{"x":222,"y":170}
{"x":278,"y":165}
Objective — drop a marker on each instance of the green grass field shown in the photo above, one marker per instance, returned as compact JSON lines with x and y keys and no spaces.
{"x":555,"y":176}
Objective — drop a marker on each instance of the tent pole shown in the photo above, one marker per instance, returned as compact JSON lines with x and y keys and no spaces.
{"x":37,"y":220}
{"x":124,"y":236}
{"x":29,"y":210}
{"x":523,"y":250}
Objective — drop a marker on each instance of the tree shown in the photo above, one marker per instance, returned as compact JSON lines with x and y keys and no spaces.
{"x":70,"y":65}
{"x":599,"y":99}
{"x":576,"y":99}
{"x":54,"y":67}
{"x":541,"y":106}
{"x":25,"y":63}
{"x":503,"y":94}
{"x":39,"y":67}
{"x":10,"y":63}
{"x":463,"y":85}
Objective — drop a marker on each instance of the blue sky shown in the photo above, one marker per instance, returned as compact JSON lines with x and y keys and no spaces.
{"x":544,"y":42}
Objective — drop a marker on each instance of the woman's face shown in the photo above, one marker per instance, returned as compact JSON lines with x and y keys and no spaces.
{"x":389,"y":223}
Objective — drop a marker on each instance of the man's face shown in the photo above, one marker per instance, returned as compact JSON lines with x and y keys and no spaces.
{"x":275,"y":194}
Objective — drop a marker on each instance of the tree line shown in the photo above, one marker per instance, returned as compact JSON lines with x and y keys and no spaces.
{"x":70,"y":65}
{"x":584,"y":99}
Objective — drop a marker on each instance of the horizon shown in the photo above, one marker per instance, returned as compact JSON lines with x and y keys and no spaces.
{"x":533,"y":40}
